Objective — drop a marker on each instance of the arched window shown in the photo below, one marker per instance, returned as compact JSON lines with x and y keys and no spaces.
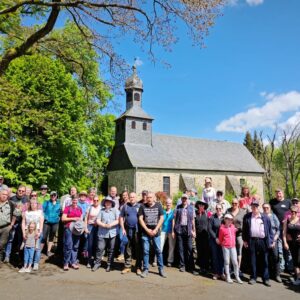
{"x":137,"y":97}
{"x":144,"y":126}
{"x":133,"y":125}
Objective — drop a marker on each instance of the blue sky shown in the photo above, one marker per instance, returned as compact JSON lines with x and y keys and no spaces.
{"x":247,"y":77}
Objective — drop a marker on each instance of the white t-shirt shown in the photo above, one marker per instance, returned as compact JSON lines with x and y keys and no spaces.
{"x":35,"y":216}
{"x":209,"y":194}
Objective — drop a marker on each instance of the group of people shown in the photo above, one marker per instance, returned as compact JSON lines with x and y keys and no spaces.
{"x":143,"y":230}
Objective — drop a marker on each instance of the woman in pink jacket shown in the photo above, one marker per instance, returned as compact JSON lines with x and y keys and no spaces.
{"x":227,"y":239}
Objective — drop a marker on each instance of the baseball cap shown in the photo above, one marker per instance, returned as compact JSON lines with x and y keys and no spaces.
{"x":255,"y":203}
{"x":44,"y":187}
{"x":53,"y":193}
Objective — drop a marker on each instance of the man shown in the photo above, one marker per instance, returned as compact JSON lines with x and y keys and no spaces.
{"x":129,"y":227}
{"x":219,"y":200}
{"x":113,"y":193}
{"x":66,"y":200}
{"x":280,"y":206}
{"x":2,"y":185}
{"x":144,"y":197}
{"x":273,"y":251}
{"x":107,"y":220}
{"x":28,"y":190}
{"x":151,"y":217}
{"x":258,"y":237}
{"x":8,"y":215}
{"x":44,"y":195}
{"x":184,"y":231}
{"x":19,"y":200}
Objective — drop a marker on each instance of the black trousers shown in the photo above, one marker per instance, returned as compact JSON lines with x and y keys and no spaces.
{"x":105,"y":243}
{"x":202,"y":245}
{"x":185,"y":248}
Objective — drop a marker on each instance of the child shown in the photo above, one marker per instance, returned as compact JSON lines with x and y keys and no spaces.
{"x":30,"y":244}
{"x":227,"y":237}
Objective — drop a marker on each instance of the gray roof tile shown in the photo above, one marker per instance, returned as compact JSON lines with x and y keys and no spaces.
{"x":175,"y":152}
{"x":136,"y":112}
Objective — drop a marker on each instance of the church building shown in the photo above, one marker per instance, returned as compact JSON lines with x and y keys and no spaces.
{"x":142,"y":160}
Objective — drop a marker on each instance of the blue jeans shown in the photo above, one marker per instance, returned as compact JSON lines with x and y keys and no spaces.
{"x":15,"y":233}
{"x":217,"y":257}
{"x":92,"y":240}
{"x":71,"y":245}
{"x":28,"y":256}
{"x":123,"y":241}
{"x":146,"y":245}
{"x":37,"y":254}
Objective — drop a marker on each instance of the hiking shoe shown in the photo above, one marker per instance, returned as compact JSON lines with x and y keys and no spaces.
{"x":252,"y":281}
{"x":6,"y":260}
{"x":144,"y":274}
{"x":267,"y":283}
{"x":66,"y":268}
{"x":35,"y":267}
{"x":96,"y":267}
{"x":126,"y":270}
{"x":162,"y":274}
{"x":23,"y":270}
{"x":182,"y":269}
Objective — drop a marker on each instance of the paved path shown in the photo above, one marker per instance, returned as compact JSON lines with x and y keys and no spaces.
{"x":50,"y":282}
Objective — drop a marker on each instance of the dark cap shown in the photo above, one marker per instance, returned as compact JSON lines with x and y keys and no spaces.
{"x":44,"y":187}
{"x":254,"y":203}
{"x":295,"y":200}
{"x":144,"y":192}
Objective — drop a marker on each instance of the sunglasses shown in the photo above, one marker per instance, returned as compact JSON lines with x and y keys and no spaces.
{"x":293,"y":212}
{"x":218,"y":208}
{"x":21,"y":191}
{"x":33,"y":195}
{"x":234,"y":203}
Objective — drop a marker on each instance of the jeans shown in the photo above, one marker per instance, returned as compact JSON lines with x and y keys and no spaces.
{"x":168,"y":236}
{"x":37,"y":254}
{"x":71,"y":244}
{"x":123,"y":240}
{"x":132,"y":248}
{"x":274,"y":261}
{"x":146,"y":246}
{"x":259,"y":253}
{"x":28,"y":256}
{"x":92,"y":240}
{"x":217,"y":257}
{"x":285,"y":257}
{"x":230,"y":255}
{"x":15,"y":234}
{"x":185,"y":246}
{"x":103,"y":243}
{"x":4,"y":235}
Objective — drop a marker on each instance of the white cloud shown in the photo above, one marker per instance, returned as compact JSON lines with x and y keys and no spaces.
{"x":290,"y":122}
{"x":138,"y":62}
{"x":254,"y":2}
{"x":231,"y":2}
{"x":266,"y":116}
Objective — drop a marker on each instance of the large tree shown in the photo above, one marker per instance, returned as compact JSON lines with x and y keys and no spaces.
{"x":102,"y":23}
{"x":47,"y":129}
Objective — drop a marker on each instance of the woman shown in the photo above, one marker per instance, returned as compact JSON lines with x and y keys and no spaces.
{"x":52,"y":211}
{"x":202,"y":241}
{"x":216,"y":250}
{"x":291,"y":240}
{"x":92,"y":228}
{"x":245,"y":199}
{"x":208,"y":193}
{"x":34,"y":214}
{"x":71,"y":214}
{"x":238,"y":216}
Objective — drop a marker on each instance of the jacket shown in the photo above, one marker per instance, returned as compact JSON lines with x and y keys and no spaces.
{"x":227,"y":236}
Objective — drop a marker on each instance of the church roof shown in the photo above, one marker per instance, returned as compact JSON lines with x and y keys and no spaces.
{"x":136,"y":112}
{"x":185,"y":153}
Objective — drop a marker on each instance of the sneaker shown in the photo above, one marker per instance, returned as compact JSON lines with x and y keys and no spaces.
{"x":252,"y":281}
{"x":88,"y":265}
{"x":169,"y":265}
{"x":28,"y":270}
{"x":162,"y":274}
{"x":297,"y":282}
{"x":154,"y":264}
{"x":182,"y":269}
{"x":66,"y":268}
{"x":229,"y":280}
{"x":216,"y":277}
{"x":238,"y":280}
{"x":126,"y":270}
{"x":278,"y":279}
{"x":35,"y":267}
{"x":75,"y":267}
{"x":120,"y":257}
{"x":96,"y":267}
{"x":267,"y":283}
{"x":108,"y":269}
{"x":23,"y":270}
{"x":6,"y":260}
{"x":144,"y":274}
{"x":195,"y":273}
{"x":139,"y":272}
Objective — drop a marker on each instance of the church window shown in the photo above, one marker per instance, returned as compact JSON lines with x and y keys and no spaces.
{"x":133,"y":125}
{"x":166,"y":185}
{"x":144,"y":126}
{"x":137,"y":97}
{"x":128,"y":96}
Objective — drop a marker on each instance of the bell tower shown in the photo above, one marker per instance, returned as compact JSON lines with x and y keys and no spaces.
{"x":134,"y":90}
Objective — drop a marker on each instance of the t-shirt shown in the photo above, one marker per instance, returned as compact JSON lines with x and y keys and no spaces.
{"x":130,"y":214}
{"x":209,"y":194}
{"x":93,"y":213}
{"x":33,"y":216}
{"x":72,"y":212}
{"x":84,"y":207}
{"x":279,"y":208}
{"x":151,"y":214}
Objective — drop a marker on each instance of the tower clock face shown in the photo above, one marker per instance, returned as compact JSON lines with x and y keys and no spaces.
{"x":137,"y":97}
